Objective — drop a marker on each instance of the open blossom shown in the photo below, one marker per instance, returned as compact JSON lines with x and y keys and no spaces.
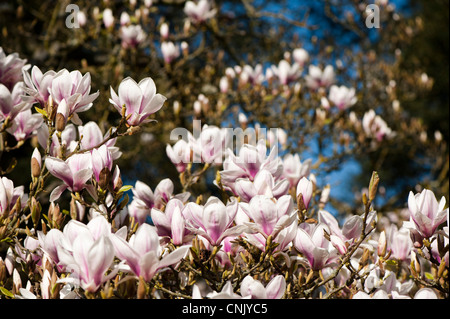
{"x":131,"y":35}
{"x":426,"y":212}
{"x":214,"y":220}
{"x":170,"y":51}
{"x":75,"y":89}
{"x":74,"y":172}
{"x":317,"y":77}
{"x":25,"y":125}
{"x":318,"y":251}
{"x":11,"y":67}
{"x":286,"y":72}
{"x":252,"y":75}
{"x":171,"y":223}
{"x":250,"y":160}
{"x":142,"y":252}
{"x":263,"y":184}
{"x":301,"y":56}
{"x":274,"y":290}
{"x":342,"y":96}
{"x":375,"y":127}
{"x":38,"y":84}
{"x":269,"y":217}
{"x":11,"y":102}
{"x":180,"y":154}
{"x":199,"y":12}
{"x":140,"y":100}
{"x":93,"y":137}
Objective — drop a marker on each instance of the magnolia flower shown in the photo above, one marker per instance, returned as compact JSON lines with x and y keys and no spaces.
{"x":10,"y":195}
{"x":375,"y":127}
{"x":343,"y":97}
{"x":269,"y":217}
{"x":74,"y":172}
{"x":91,"y":137}
{"x":102,"y":165}
{"x":131,"y":35}
{"x":214,"y":220}
{"x":199,"y":12}
{"x":37,"y":85}
{"x":209,"y":145}
{"x":180,"y":154}
{"x":170,"y":51}
{"x":140,"y":100}
{"x":300,"y":56}
{"x":315,"y":247}
{"x":251,"y":75}
{"x":274,"y":290}
{"x":399,"y":243}
{"x":68,"y":140}
{"x":11,"y":67}
{"x":11,"y":102}
{"x":426,"y":213}
{"x":249,"y":162}
{"x":294,"y":169}
{"x":286,"y":72}
{"x":305,"y":188}
{"x":108,"y":18}
{"x":25,"y":125}
{"x":171,"y":223}
{"x":263,"y":184}
{"x":317,"y":78}
{"x":142,"y":252}
{"x":74,"y":89}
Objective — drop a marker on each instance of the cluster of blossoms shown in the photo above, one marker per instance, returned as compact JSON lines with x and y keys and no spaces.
{"x":267,"y":235}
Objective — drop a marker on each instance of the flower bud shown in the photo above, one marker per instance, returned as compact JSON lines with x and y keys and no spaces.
{"x":36,"y":162}
{"x":382,"y":244}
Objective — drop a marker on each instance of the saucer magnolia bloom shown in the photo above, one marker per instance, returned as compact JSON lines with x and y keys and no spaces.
{"x":11,"y":67}
{"x":131,"y":36}
{"x":74,"y":172}
{"x":170,"y":51}
{"x":315,"y":247}
{"x":426,"y":213}
{"x":199,"y":12}
{"x":25,"y":125}
{"x":294,"y":169}
{"x":214,"y":220}
{"x":305,"y":188}
{"x":38,"y":84}
{"x":342,"y":96}
{"x":140,"y":100}
{"x":269,"y":217}
{"x":11,"y":103}
{"x":264,"y":184}
{"x":286,"y":72}
{"x":74,"y":88}
{"x":317,"y":78}
{"x":8,"y":195}
{"x":142,"y":252}
{"x":274,"y":290}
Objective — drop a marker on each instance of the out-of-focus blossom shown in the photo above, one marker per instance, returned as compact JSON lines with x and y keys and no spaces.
{"x":131,"y":35}
{"x":294,"y":169}
{"x":269,"y":217}
{"x":11,"y":67}
{"x":199,"y":12}
{"x":214,"y":220}
{"x":375,"y":127}
{"x":263,"y":184}
{"x":425,"y":293}
{"x":25,"y":125}
{"x":140,"y":100}
{"x":342,"y":96}
{"x":426,"y":212}
{"x":75,"y":89}
{"x":300,"y":56}
{"x":37,"y":85}
{"x":399,"y":243}
{"x":74,"y":172}
{"x":164,"y":30}
{"x":286,"y":72}
{"x":108,"y":18}
{"x":252,"y":75}
{"x":315,"y":247}
{"x":274,"y":290}
{"x":317,"y":77}
{"x":170,"y":51}
{"x":11,"y":102}
{"x":142,"y":252}
{"x":180,"y":154}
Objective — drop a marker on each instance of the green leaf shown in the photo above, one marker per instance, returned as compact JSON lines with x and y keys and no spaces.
{"x":6,"y":292}
{"x":429,"y":276}
{"x":42,"y":111}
